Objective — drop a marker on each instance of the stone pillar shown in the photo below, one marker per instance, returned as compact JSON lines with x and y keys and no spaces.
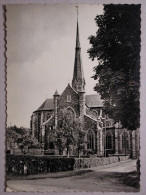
{"x":33,"y":125}
{"x":98,"y":142}
{"x":133,"y":145}
{"x":100,"y":134}
{"x":56,"y":95}
{"x":100,"y":114}
{"x":42,"y":118}
{"x":118,"y":126}
{"x":116,"y":142}
{"x":43,"y":138}
{"x":41,"y":122}
{"x":82,"y":104}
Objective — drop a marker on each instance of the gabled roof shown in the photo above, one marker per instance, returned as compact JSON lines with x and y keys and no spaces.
{"x":47,"y":105}
{"x":93,"y":100}
{"x":90,"y":100}
{"x":69,"y":86}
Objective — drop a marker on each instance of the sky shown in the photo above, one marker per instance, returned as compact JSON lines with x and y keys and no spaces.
{"x":40,"y":54}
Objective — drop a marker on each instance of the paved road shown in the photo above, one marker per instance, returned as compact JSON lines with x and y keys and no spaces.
{"x":120,"y":167}
{"x":101,"y":179}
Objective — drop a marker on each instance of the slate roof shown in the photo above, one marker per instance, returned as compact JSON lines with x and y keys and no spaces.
{"x":93,"y":100}
{"x":90,"y":100}
{"x":47,"y":105}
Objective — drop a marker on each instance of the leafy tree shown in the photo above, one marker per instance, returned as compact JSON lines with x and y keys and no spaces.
{"x":116,"y":46}
{"x":69,"y":132}
{"x":60,"y":141}
{"x":80,"y":138}
{"x":21,"y":138}
{"x":81,"y":141}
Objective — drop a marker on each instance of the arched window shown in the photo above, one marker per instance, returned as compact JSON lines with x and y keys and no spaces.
{"x":90,"y":140}
{"x":125,"y":141}
{"x":109,"y":141}
{"x":71,"y":111}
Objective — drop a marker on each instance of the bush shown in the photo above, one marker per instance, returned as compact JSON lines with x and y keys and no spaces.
{"x":25,"y":165}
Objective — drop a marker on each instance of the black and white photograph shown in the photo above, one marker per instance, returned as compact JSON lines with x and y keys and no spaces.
{"x":73,"y":97}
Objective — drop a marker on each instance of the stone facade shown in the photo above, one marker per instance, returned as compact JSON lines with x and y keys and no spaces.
{"x":103,"y":136}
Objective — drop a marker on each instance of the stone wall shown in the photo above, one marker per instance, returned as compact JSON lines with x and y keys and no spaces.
{"x":96,"y":162}
{"x":74,"y":103}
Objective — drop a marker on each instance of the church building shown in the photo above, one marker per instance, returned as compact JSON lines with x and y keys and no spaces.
{"x":103,"y":135}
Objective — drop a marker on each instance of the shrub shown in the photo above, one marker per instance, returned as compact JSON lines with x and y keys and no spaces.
{"x":21,"y":165}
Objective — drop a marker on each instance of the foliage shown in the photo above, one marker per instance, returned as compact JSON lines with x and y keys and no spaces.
{"x":81,"y":140}
{"x":20,"y":165}
{"x":116,"y":46}
{"x":20,"y":138}
{"x":69,"y":132}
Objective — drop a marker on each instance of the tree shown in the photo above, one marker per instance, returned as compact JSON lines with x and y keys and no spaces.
{"x":116,"y":46}
{"x":21,"y":138}
{"x":69,"y":132}
{"x":60,"y":141}
{"x":80,"y":138}
{"x":81,"y":141}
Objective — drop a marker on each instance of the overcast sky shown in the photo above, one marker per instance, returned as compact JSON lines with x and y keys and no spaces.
{"x":40,"y":54}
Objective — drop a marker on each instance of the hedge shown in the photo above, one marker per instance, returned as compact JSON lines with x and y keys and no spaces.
{"x":26,"y":165}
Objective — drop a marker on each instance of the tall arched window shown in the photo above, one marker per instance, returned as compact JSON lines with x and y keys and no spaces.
{"x":125,"y":141}
{"x":109,"y":141}
{"x":71,"y":111}
{"x":90,"y":140}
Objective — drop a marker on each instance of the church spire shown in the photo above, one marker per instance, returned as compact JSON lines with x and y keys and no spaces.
{"x":78,"y":81}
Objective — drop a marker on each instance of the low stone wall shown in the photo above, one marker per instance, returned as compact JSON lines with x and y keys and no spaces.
{"x":31,"y":164}
{"x":95,"y":162}
{"x":122,"y":158}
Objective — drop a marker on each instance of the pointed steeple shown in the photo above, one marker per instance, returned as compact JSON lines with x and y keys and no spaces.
{"x":56,"y":93}
{"x":78,"y":81}
{"x":77,"y":37}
